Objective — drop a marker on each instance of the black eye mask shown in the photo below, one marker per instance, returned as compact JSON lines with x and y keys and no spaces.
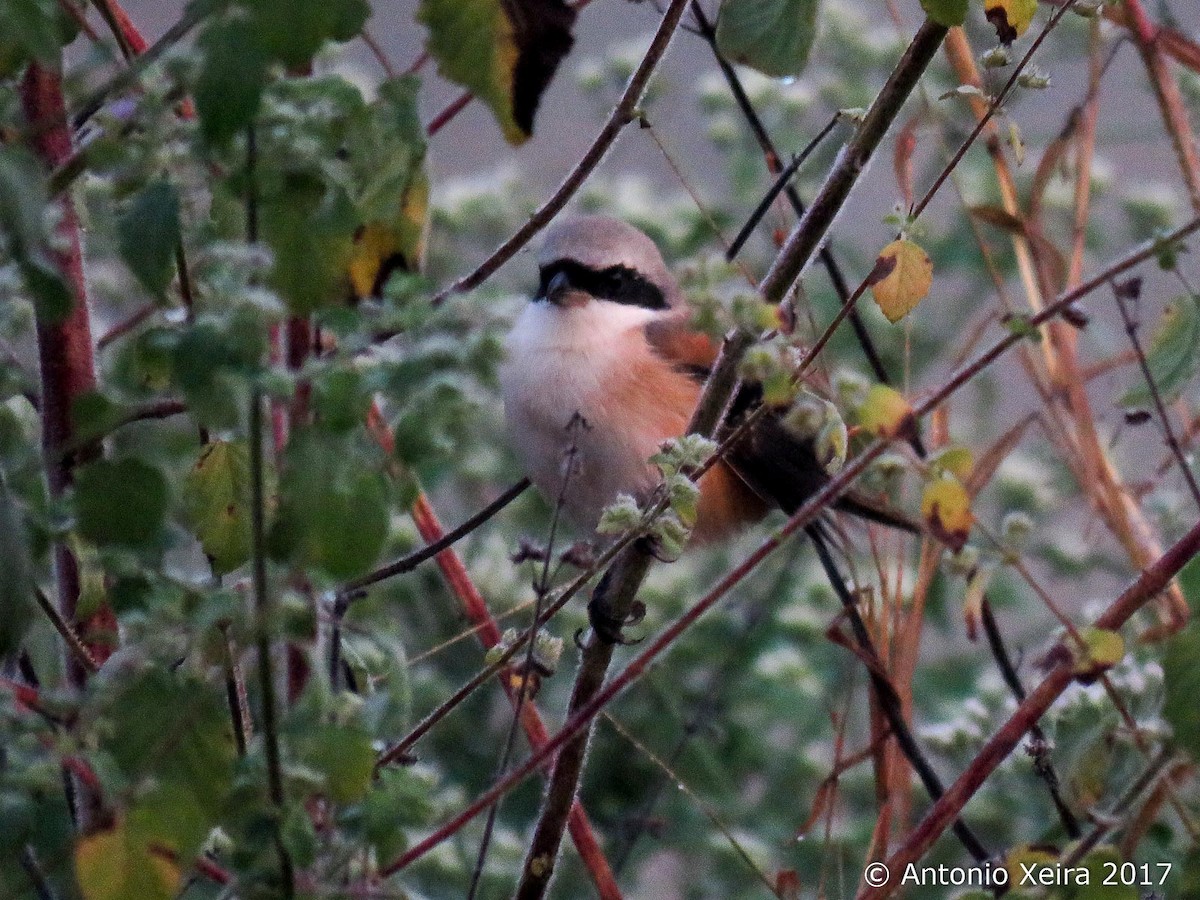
{"x":619,"y":284}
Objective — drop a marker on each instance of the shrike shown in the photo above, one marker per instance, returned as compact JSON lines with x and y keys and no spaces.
{"x":607,"y":339}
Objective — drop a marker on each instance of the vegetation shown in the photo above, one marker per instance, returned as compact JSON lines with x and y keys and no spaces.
{"x":242,"y":657}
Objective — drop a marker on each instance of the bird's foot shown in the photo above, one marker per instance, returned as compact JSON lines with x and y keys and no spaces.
{"x":608,"y":627}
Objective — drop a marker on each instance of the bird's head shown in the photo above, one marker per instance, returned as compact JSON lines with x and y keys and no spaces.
{"x":597,"y":258}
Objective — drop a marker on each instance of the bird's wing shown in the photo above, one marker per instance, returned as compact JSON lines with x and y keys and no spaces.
{"x":774,"y":463}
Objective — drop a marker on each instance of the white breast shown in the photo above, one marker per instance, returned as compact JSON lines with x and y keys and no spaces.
{"x":563,"y":361}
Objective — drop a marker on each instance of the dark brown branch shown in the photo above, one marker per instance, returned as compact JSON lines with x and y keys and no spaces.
{"x":1043,"y":766}
{"x":1131,"y":331}
{"x":623,"y":113}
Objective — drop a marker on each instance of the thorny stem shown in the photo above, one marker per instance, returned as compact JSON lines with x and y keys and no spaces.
{"x":1148,"y":585}
{"x":1143,"y":590}
{"x":66,"y":367}
{"x":1131,"y":331}
{"x":74,"y":644}
{"x":623,"y":113}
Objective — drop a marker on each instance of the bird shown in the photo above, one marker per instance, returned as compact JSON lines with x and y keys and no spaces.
{"x":603,"y":366}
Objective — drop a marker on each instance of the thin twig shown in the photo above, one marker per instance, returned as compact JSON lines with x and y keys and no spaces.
{"x":192,"y":16}
{"x":622,"y":114}
{"x":1106,"y":823}
{"x":74,"y":643}
{"x":992,"y":109}
{"x":782,"y":181}
{"x":885,"y":693}
{"x":711,"y":814}
{"x":432,"y":549}
{"x":1043,"y":766}
{"x":1131,"y":331}
{"x":527,"y":676}
{"x":774,"y":166}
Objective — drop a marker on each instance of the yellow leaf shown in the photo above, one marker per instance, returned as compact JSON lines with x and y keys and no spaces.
{"x":946,"y":508}
{"x":381,"y":248}
{"x":1102,"y":650}
{"x":1024,"y":858}
{"x":1010,"y":18}
{"x":885,"y":413}
{"x":909,"y":280}
{"x":119,"y":863}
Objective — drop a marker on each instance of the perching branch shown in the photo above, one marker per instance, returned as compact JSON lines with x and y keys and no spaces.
{"x":623,"y":113}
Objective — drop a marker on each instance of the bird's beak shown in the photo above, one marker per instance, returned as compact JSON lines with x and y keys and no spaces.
{"x":557,"y":289}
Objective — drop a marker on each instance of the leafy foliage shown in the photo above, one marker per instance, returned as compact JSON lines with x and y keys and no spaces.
{"x":285,"y":244}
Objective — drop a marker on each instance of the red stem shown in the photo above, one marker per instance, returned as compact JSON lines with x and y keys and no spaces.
{"x":65,"y":354}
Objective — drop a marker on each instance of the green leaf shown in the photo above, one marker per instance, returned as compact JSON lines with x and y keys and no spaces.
{"x":1173,"y":354}
{"x":23,"y":201}
{"x":333,"y":505}
{"x":292,"y":31}
{"x":343,"y":754}
{"x":216,"y":496}
{"x":310,"y":227}
{"x":772,"y":36}
{"x":1181,"y":677}
{"x":503,"y":52}
{"x":33,"y":30}
{"x":946,"y":12}
{"x":122,"y":502}
{"x":148,"y":234}
{"x":169,"y":736}
{"x":229,"y":89}
{"x":16,"y":581}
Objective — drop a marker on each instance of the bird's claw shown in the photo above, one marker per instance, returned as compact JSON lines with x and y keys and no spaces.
{"x":608,"y":627}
